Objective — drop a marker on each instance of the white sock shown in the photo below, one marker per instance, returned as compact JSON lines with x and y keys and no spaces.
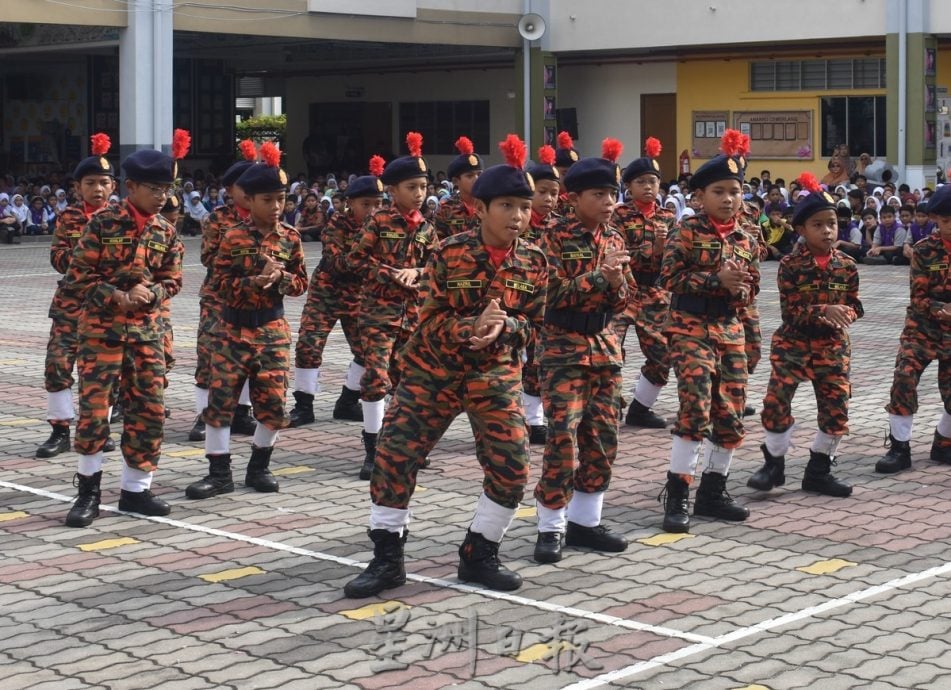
{"x":90,"y":464}
{"x":218,"y":439}
{"x":900,"y":426}
{"x":201,"y":399}
{"x":390,"y":519}
{"x":307,"y":380}
{"x":59,"y":405}
{"x":108,"y":414}
{"x":717,"y":458}
{"x":684,"y":455}
{"x":778,"y":442}
{"x":825,"y":444}
{"x":354,"y":374}
{"x":245,"y":397}
{"x":646,"y":392}
{"x":551,"y":519}
{"x":263,"y":437}
{"x":135,"y":480}
{"x":585,"y":509}
{"x":534,"y":412}
{"x":491,"y":520}
{"x":944,"y":425}
{"x":373,"y":415}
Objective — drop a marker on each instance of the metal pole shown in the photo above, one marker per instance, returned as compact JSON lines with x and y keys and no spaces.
{"x":527,"y":84}
{"x":902,"y":86}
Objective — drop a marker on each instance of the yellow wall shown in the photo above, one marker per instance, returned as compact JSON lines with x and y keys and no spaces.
{"x":943,"y":68}
{"x":724,"y":85}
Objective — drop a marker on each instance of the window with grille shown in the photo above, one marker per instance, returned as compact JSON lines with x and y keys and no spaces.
{"x":817,"y":75}
{"x":442,"y":122}
{"x":858,"y":121}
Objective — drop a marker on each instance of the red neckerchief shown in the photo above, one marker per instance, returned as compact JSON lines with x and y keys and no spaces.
{"x":537,"y":219}
{"x":140,"y":218}
{"x":822,"y":261}
{"x":647,"y":210}
{"x":243,"y":213}
{"x":413,"y":218}
{"x":722,"y":229}
{"x":470,"y":210}
{"x":563,"y":197}
{"x":497,"y":254}
{"x":88,"y":210}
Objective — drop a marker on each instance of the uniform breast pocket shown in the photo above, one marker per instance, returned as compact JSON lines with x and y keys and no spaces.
{"x":464,"y":294}
{"x":706,"y":253}
{"x":116,"y":251}
{"x":517,"y":291}
{"x":155,"y":252}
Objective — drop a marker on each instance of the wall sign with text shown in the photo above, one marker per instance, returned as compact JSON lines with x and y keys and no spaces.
{"x":777,"y":134}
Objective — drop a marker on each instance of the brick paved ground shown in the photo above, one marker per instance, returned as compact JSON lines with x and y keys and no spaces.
{"x":245,"y":590}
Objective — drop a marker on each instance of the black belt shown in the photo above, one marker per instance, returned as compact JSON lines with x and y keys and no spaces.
{"x":646,"y":279}
{"x":251,"y":318}
{"x":815,"y":331}
{"x":713,"y":307}
{"x":586,"y":322}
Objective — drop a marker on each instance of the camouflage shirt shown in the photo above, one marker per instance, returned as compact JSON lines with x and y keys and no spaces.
{"x":213,"y":228}
{"x":638,"y":232}
{"x":453,"y":217}
{"x":930,"y":288}
{"x":67,"y":303}
{"x":113,"y":255}
{"x":693,"y":256}
{"x":536,"y":229}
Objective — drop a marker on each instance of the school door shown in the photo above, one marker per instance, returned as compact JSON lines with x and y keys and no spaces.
{"x":347,"y":134}
{"x":659,"y":119}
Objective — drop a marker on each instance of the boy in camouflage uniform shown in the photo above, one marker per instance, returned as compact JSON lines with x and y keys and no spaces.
{"x":644,"y":225}
{"x":390,"y":256}
{"x":126,"y":263}
{"x":334,"y":294}
{"x":819,"y":300}
{"x":170,"y":212}
{"x":711,"y":269}
{"x":589,"y":283}
{"x":924,"y":338}
{"x":484,"y":292}
{"x":457,"y":213}
{"x":258,"y":263}
{"x":95,"y":180}
{"x":565,"y":157}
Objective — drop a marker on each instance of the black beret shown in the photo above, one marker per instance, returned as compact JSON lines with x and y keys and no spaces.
{"x":541,"y":171}
{"x":149,"y":165}
{"x":94,"y":165}
{"x":640,"y":166}
{"x":566,"y":157}
{"x":404,"y":168}
{"x":503,"y":180}
{"x":463,"y":163}
{"x":171,"y":204}
{"x":365,"y":185}
{"x":810,"y":205}
{"x":262,"y":178}
{"x":592,"y":173}
{"x":717,"y":169}
{"x":940,"y":202}
{"x":234,"y":172}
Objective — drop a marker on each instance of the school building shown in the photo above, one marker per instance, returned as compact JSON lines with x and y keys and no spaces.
{"x":354,"y":77}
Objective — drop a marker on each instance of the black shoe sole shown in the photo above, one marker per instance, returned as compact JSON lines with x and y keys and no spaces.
{"x":50,"y":453}
{"x":217,"y":492}
{"x":347,"y":592}
{"x":497,"y":587}
{"x":80,"y":523}
{"x":196,"y":436}
{"x":135,"y":510}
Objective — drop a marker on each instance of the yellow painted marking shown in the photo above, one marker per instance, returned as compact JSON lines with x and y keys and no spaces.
{"x":373,"y":610}
{"x":4,"y":362}
{"x":754,"y":687}
{"x":826,"y":567}
{"x":108,"y":544}
{"x":20,"y":422}
{"x":233,"y":574}
{"x":664,"y":538}
{"x":421,"y":488}
{"x":16,"y":515}
{"x":526,"y":512}
{"x":189,"y":453}
{"x":285,"y":471}
{"x":540,"y":651}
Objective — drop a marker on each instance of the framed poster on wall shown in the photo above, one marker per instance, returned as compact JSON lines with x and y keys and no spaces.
{"x":706,"y":125}
{"x":777,"y":134}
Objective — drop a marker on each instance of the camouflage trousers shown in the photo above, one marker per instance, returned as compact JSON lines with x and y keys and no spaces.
{"x":914,"y":355}
{"x":168,"y":349}
{"x":61,"y":354}
{"x":316,"y":322}
{"x":825,"y":362}
{"x":711,"y":387}
{"x":264,"y":366}
{"x":138,"y":370}
{"x":208,"y":318}
{"x":581,"y":406}
{"x":749,"y":316}
{"x":531,"y":372}
{"x":647,"y":315}
{"x":424,"y":405}
{"x":381,"y":347}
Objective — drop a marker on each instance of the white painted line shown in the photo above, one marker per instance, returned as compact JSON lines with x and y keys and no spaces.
{"x":763,"y":626}
{"x":504,"y":596}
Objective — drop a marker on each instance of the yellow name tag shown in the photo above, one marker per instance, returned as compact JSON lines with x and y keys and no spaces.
{"x":808,"y":288}
{"x":284,"y":256}
{"x":244,"y":251}
{"x":392,"y":235}
{"x":157,"y":246}
{"x":838,"y":286}
{"x":116,"y":240}
{"x":938,"y":267}
{"x":463,"y":284}
{"x":707,"y":245}
{"x":74,"y":234}
{"x":577,"y":254}
{"x":457,"y":221}
{"x":520,"y":286}
{"x":746,"y":255}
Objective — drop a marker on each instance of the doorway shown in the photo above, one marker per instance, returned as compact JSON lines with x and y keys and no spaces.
{"x":659,"y":119}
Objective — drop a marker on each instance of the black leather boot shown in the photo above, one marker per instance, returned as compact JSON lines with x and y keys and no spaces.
{"x":259,"y":477}
{"x":818,"y":477}
{"x":749,"y":411}
{"x":897,"y":458}
{"x":348,"y":406}
{"x":676,"y":500}
{"x":57,"y":443}
{"x":599,"y":538}
{"x":548,"y":547}
{"x":385,"y":571}
{"x":218,"y":481}
{"x":941,"y":449}
{"x":714,"y":501}
{"x":303,"y":411}
{"x":86,"y":507}
{"x":771,"y":474}
{"x":242,"y":423}
{"x":197,"y":432}
{"x":369,"y":444}
{"x":108,"y":445}
{"x":641,"y":416}
{"x":116,"y":415}
{"x":143,"y":503}
{"x":479,"y":562}
{"x":538,"y":435}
